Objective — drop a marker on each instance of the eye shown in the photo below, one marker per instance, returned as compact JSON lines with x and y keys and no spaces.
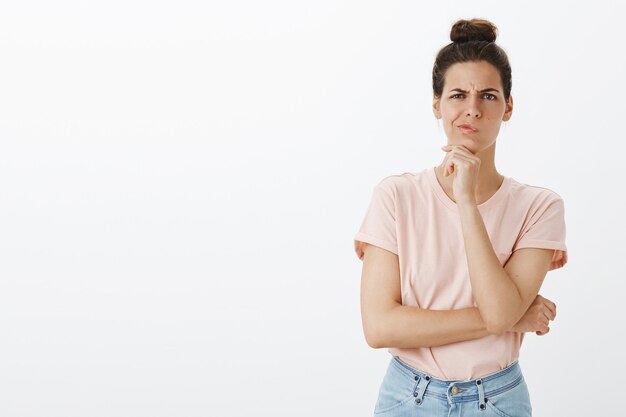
{"x":491,"y":97}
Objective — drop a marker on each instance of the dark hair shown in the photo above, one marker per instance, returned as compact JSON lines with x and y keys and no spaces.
{"x":472,"y":40}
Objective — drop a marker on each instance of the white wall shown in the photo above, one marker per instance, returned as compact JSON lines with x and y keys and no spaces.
{"x":180,"y":183}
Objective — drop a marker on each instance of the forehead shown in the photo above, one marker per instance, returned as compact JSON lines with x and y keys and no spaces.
{"x":472,"y":75}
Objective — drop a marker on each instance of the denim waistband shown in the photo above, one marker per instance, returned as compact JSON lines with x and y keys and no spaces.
{"x":457,"y":390}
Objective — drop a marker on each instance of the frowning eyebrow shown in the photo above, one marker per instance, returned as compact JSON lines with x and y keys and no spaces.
{"x":482,"y":91}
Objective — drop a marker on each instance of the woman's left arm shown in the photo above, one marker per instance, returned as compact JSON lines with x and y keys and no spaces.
{"x":503,"y":294}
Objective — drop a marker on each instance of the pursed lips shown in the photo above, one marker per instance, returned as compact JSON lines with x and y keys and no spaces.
{"x":465,"y":128}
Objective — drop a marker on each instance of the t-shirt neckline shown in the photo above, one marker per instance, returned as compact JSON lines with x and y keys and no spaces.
{"x":448,"y":202}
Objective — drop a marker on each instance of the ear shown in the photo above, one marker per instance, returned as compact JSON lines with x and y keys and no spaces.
{"x":436,"y":107}
{"x":508,"y":110}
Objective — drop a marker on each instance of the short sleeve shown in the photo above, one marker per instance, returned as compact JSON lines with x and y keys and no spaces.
{"x":546,"y":229}
{"x":379,"y":225}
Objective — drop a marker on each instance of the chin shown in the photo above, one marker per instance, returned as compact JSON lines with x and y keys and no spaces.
{"x":470,"y":144}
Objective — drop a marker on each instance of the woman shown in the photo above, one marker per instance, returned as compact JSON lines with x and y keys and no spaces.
{"x":454,"y":255}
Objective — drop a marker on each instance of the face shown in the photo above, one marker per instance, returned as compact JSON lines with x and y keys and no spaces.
{"x":472,"y":94}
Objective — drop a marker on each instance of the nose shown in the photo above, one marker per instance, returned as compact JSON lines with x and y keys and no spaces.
{"x":473,"y":108}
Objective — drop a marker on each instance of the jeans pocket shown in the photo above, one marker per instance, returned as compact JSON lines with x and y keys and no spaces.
{"x":396,"y":389}
{"x":514,"y":402}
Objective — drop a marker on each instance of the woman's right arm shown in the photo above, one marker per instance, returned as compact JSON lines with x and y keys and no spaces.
{"x":388,"y":323}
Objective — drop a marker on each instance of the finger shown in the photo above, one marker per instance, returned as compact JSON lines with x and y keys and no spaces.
{"x":454,"y":150}
{"x":461,"y":162}
{"x":548,"y":314}
{"x":465,"y":158}
{"x":461,"y":148}
{"x":454,"y":160}
{"x":444,"y":166}
{"x":542,"y":333}
{"x":449,"y":170}
{"x":551,"y":306}
{"x":449,"y":166}
{"x":466,"y":149}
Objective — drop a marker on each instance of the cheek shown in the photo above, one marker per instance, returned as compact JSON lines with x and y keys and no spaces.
{"x":452,"y":116}
{"x":450,"y":107}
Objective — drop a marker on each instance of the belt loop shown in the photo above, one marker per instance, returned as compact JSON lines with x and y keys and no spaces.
{"x":481,"y":395}
{"x":421,"y":389}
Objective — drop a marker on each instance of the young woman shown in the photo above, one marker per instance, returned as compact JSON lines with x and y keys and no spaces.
{"x":454,"y":255}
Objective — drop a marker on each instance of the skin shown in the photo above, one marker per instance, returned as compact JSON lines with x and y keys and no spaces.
{"x":485,"y":111}
{"x":469,"y":176}
{"x":506,"y":296}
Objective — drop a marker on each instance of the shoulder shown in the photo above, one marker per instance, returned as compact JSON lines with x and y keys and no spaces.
{"x":534,"y":195}
{"x":399,"y":184}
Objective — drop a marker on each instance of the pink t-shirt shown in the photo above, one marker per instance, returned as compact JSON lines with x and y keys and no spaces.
{"x":411,"y":215}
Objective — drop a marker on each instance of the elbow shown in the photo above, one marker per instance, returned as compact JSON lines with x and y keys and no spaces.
{"x":374,"y":334}
{"x":373,"y":342}
{"x":373,"y":338}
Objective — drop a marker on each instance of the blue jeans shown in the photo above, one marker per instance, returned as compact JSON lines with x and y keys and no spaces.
{"x":406,"y":391}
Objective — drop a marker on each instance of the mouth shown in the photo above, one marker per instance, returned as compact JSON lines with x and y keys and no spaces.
{"x":466,"y":128}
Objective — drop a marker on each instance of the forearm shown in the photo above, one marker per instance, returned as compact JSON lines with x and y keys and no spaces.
{"x":413,"y":327}
{"x":496,"y":295}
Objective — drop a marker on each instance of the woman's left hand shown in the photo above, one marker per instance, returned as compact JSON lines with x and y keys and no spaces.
{"x":465,"y":167}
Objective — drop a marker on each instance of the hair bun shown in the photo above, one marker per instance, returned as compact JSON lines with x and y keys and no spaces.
{"x":473,"y":30}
